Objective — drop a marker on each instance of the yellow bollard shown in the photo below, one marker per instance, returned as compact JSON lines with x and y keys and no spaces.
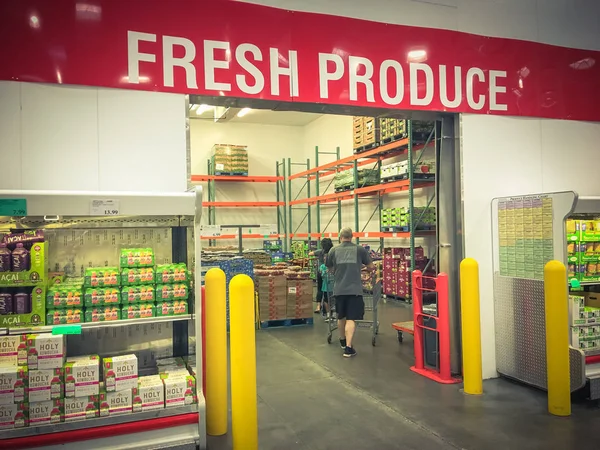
{"x":216,"y":352}
{"x":557,"y":339}
{"x":244,"y":415}
{"x":471,"y":327}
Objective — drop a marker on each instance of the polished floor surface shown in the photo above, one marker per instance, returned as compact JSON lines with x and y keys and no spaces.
{"x":310,"y":397}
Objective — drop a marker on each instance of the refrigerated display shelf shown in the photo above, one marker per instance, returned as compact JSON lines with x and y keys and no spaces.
{"x":90,"y":424}
{"x":92,"y":325}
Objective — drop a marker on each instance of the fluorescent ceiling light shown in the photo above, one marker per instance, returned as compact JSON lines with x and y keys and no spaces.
{"x":203,"y":108}
{"x":243,"y":112}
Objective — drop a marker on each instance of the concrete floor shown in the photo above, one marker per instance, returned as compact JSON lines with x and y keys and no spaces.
{"x":310,"y":397}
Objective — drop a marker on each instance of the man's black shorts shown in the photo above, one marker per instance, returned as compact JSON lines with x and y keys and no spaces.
{"x":351,"y":307}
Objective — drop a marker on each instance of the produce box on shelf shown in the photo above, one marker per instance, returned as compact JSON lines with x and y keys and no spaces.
{"x":64,"y":297}
{"x":103,"y":296}
{"x":299,"y":298}
{"x":103,"y":314}
{"x":137,"y":275}
{"x":137,"y":294}
{"x":365,"y":132}
{"x":136,"y":257}
{"x":138,"y":311}
{"x":272,"y":300}
{"x":171,"y":308}
{"x":102,"y":277}
{"x":229,"y":159}
{"x":64,"y":316}
{"x":171,"y":273}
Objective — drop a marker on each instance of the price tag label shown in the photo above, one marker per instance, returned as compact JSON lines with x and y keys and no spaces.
{"x":395,"y":235}
{"x":292,"y":290}
{"x":66,"y":329}
{"x":268,"y":230}
{"x":211,"y":230}
{"x":13,"y":207}
{"x":106,"y":207}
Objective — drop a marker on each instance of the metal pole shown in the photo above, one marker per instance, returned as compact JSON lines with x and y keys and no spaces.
{"x":309,"y":208}
{"x":285,"y":201}
{"x":339,"y":203}
{"x":290,"y":222}
{"x":411,"y":199}
{"x":449,"y":225}
{"x":317,"y":191}
{"x":356,"y":206}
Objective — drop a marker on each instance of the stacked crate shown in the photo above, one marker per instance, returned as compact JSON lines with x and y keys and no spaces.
{"x":272,"y":300}
{"x":398,"y":219}
{"x":391,"y":129}
{"x":365,"y":132}
{"x":299,"y":299}
{"x":396,"y":271}
{"x":229,"y":159}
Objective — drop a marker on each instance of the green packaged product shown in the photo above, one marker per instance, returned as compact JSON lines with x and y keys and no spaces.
{"x":136,"y":294}
{"x":137,"y":257}
{"x":138,"y":311}
{"x":64,"y":297}
{"x":176,"y":291}
{"x":102,"y":296}
{"x":102,"y":276}
{"x":173,"y":308}
{"x":103,"y":314}
{"x":171,"y":273}
{"x":64,"y":316}
{"x":137,"y":275}
{"x":73,"y":281}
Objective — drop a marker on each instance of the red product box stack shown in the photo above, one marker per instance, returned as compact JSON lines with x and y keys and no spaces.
{"x":396,"y":271}
{"x":299,"y":299}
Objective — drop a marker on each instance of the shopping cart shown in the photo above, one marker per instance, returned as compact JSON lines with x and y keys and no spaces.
{"x":371,"y":295}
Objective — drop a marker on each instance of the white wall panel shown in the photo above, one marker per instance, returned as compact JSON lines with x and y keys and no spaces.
{"x":10,"y":135}
{"x":59,"y":132}
{"x":501,"y":156}
{"x":570,"y":23}
{"x":141,"y":141}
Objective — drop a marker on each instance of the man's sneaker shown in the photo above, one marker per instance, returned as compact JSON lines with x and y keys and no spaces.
{"x":343,"y":344}
{"x":349,"y":352}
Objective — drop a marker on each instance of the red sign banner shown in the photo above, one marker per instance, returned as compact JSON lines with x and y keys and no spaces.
{"x":237,"y":49}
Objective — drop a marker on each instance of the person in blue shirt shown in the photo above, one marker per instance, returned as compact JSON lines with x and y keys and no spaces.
{"x":322,"y":297}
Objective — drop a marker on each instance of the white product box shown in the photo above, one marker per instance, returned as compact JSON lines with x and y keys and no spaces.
{"x":577,"y":303}
{"x":45,"y":385}
{"x":45,"y":351}
{"x":120,"y":373}
{"x":119,"y":402}
{"x":149,"y":395}
{"x":180,"y":390}
{"x":82,"y":378}
{"x":42,"y":413}
{"x":13,"y":351}
{"x":81,"y":408}
{"x":13,"y":384}
{"x":13,"y":416}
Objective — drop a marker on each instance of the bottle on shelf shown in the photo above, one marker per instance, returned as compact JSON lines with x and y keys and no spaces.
{"x":21,"y":259}
{"x":5,"y":258}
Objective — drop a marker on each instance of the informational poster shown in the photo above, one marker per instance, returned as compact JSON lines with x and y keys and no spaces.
{"x":525,"y":236}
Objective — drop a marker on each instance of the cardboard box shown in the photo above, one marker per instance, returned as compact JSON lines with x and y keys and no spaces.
{"x":81,"y":408}
{"x":13,"y":384}
{"x":149,"y":395}
{"x":13,"y":350}
{"x":82,"y":378}
{"x":45,"y":351}
{"x":592,"y":299}
{"x":120,"y":373}
{"x":120,"y":402}
{"x":45,"y":385}
{"x":43,"y":413}
{"x":180,"y":390}
{"x":15,"y":415}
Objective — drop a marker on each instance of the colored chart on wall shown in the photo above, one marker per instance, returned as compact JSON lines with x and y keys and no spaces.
{"x":525,"y":236}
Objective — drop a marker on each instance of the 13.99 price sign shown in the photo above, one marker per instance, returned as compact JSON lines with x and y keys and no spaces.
{"x":106,"y":207}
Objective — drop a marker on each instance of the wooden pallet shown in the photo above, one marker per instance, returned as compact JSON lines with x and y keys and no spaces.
{"x":394,"y":138}
{"x":232,"y":174}
{"x":364,"y":148}
{"x":285,"y":323}
{"x":404,"y":176}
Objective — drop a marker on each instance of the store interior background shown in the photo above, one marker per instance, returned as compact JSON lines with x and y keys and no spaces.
{"x":82,"y":138}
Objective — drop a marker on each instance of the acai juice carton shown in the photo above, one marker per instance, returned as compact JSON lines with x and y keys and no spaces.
{"x":45,"y":351}
{"x":120,"y":373}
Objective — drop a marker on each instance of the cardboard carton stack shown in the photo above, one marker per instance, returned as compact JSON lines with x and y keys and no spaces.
{"x":230,"y":159}
{"x":365,"y":132}
{"x":272,"y":297}
{"x":396,"y":271}
{"x":585,"y":320}
{"x":299,"y":299}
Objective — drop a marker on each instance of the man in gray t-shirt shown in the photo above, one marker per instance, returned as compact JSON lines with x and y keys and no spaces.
{"x":346,"y":261}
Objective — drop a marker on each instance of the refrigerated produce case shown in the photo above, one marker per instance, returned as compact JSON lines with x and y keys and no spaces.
{"x":85,"y":229}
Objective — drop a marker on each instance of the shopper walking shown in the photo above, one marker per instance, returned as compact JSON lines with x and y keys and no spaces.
{"x":321,"y":298}
{"x":347,"y":260}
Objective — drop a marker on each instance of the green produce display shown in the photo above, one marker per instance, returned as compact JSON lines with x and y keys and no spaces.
{"x":64,"y":316}
{"x":177,"y":291}
{"x":174,"y":308}
{"x":138,"y":311}
{"x":102,"y":276}
{"x":102,"y":296}
{"x":136,"y":294}
{"x":171,"y":273}
{"x":137,"y":275}
{"x":136,"y":257}
{"x":64,"y":297}
{"x":102,"y":314}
